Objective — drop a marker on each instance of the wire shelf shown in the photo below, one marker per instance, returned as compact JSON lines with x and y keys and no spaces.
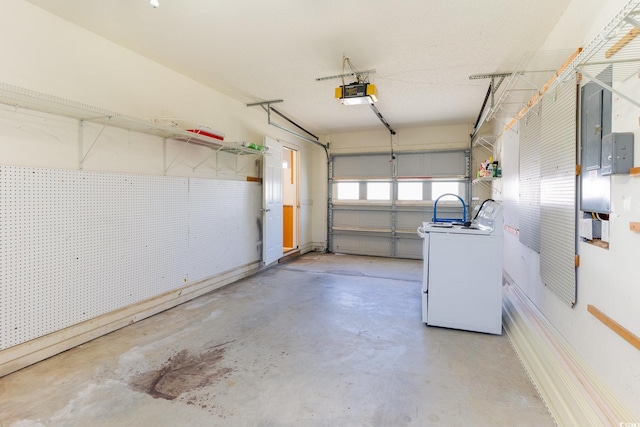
{"x":37,"y":101}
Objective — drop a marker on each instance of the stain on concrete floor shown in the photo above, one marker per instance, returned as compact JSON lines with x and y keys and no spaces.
{"x":182,"y":373}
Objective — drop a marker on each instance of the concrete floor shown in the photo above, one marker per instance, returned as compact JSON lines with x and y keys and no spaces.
{"x":324,"y":340}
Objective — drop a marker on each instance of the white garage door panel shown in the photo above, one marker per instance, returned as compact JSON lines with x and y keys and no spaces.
{"x":362,"y":219}
{"x":409,"y":248}
{"x":362,"y":245}
{"x":372,"y":165}
{"x":411,"y":220}
{"x":446,"y":163}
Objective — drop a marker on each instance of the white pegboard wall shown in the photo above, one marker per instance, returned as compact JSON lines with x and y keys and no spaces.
{"x":225,"y":223}
{"x":77,"y":244}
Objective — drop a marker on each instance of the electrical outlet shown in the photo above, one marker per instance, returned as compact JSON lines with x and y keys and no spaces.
{"x":605,"y":231}
{"x":589,"y":228}
{"x":585,"y":228}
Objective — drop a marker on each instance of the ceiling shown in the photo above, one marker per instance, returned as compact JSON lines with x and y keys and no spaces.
{"x":423,"y":51}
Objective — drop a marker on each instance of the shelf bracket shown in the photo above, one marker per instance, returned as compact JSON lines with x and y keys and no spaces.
{"x":531,"y":85}
{"x":486,"y":183}
{"x":93,"y":144}
{"x":205,"y":159}
{"x":632,"y":21}
{"x":609,"y":88}
{"x":184,"y":145}
{"x":484,"y":142}
{"x":491,"y":91}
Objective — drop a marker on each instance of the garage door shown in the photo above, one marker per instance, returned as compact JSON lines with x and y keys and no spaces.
{"x":376,"y":202}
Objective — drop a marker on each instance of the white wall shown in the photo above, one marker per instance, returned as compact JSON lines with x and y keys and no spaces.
{"x":607,"y":279}
{"x":317,"y":184}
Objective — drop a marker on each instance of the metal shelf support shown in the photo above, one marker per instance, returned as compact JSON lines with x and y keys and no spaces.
{"x":609,"y":88}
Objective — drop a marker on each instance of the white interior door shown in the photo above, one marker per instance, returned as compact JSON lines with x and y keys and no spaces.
{"x":272,"y":202}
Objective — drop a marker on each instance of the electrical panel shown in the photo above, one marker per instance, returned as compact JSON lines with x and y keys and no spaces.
{"x":592,"y":136}
{"x":617,"y":153}
{"x":602,"y":153}
{"x":595,"y":120}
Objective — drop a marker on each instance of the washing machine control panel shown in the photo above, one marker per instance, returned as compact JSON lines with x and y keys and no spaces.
{"x":489,"y":216}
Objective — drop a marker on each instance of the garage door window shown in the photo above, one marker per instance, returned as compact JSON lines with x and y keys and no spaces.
{"x":410,"y":191}
{"x":378,"y":191}
{"x":440,"y":188}
{"x":348,"y":191}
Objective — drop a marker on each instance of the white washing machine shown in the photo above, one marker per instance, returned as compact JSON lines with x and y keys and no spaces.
{"x":462,"y":273}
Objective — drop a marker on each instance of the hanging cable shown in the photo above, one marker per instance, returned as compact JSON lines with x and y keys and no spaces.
{"x":361,"y":76}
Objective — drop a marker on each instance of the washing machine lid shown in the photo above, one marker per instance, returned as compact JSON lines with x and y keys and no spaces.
{"x":446,"y":227}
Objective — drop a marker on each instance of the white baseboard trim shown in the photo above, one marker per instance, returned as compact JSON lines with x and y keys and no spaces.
{"x":316,"y":247}
{"x":574,"y":395}
{"x":30,"y":352}
{"x":309,"y":247}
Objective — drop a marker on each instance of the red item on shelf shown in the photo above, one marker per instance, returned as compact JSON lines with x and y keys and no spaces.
{"x":208,"y":132}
